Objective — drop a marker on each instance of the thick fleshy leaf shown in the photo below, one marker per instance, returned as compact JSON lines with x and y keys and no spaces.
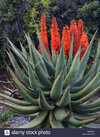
{"x":50,"y":69}
{"x":75,"y":122}
{"x":23,"y":50}
{"x":65,"y":99}
{"x":21,"y":109}
{"x":93,"y":68}
{"x":87,"y":97}
{"x":78,"y":88}
{"x":36,"y":121}
{"x":54,"y":58}
{"x":32,"y":79}
{"x":60,"y":62}
{"x":54,"y":123}
{"x":19,"y":54}
{"x":43,"y":78}
{"x":91,"y":86}
{"x":18,"y":70}
{"x":43,"y":102}
{"x":86,"y":57}
{"x":73,"y":72}
{"x":13,"y":100}
{"x":95,"y":103}
{"x":37,"y":54}
{"x":25,"y":92}
{"x":61,"y":114}
{"x":79,"y":116}
{"x":57,"y":87}
{"x":70,"y":54}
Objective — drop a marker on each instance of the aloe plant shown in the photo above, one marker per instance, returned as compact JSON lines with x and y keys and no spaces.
{"x":57,"y":96}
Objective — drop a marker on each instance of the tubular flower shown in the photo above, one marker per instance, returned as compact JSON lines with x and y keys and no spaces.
{"x":43,"y":33}
{"x":74,"y":30}
{"x":84,"y":43}
{"x":55,"y":36}
{"x":66,"y":40}
{"x":80,"y":29}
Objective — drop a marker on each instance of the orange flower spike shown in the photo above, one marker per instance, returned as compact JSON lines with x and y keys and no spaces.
{"x":43,"y":33}
{"x":80,"y":29}
{"x":55,"y":36}
{"x":74,"y":30}
{"x":84,"y":44}
{"x":66,"y":40}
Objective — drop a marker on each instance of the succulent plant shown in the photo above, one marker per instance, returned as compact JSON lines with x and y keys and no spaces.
{"x":57,"y":97}
{"x":54,"y":91}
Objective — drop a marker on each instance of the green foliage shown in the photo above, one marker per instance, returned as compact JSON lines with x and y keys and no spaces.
{"x":11,"y":22}
{"x":90,"y":14}
{"x":34,"y":10}
{"x":7,"y":115}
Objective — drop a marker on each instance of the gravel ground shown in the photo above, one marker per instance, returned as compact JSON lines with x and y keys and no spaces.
{"x":18,"y":121}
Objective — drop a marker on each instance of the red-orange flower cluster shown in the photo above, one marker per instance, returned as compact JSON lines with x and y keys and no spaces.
{"x":55,"y":36}
{"x":74,"y":30}
{"x":84,"y":44}
{"x":80,"y":37}
{"x":43,"y":33}
{"x":66,"y":40}
{"x":80,"y":29}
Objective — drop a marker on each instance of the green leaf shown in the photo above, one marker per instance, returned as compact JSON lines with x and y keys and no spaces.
{"x":60,"y":62}
{"x":70,"y":54}
{"x":54,"y":58}
{"x":25,"y":92}
{"x":50,"y":69}
{"x":61,"y":114}
{"x":57,"y":87}
{"x":18,"y":70}
{"x":91,"y":86}
{"x":16,"y":101}
{"x":32,"y":78}
{"x":39,"y":71}
{"x":86,"y":57}
{"x":21,"y":109}
{"x":43,"y":103}
{"x":20,"y":55}
{"x":73,"y":72}
{"x":92,"y":68}
{"x":36,"y":121}
{"x":23,"y":50}
{"x":65,"y":99}
{"x":54,"y":123}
